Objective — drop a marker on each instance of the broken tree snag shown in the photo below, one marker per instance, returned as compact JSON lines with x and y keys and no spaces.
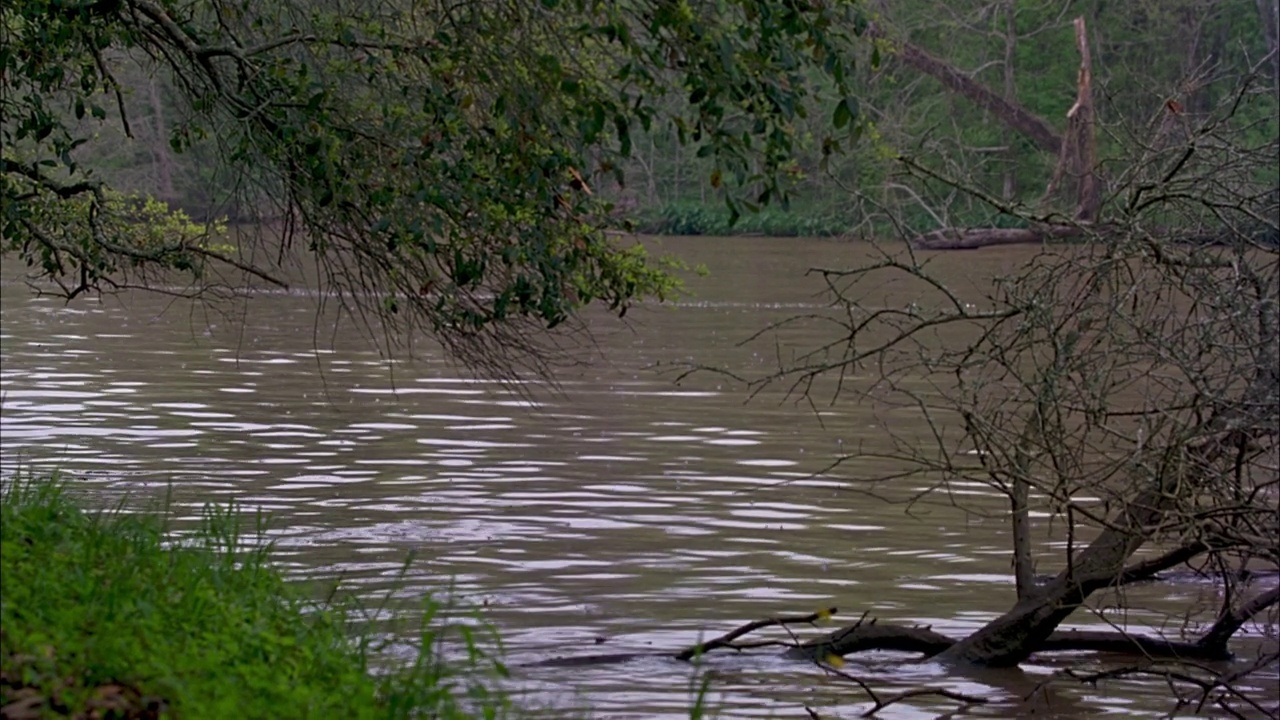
{"x":1077,"y":158}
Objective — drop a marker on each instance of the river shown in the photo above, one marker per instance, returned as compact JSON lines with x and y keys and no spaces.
{"x":625,"y":507}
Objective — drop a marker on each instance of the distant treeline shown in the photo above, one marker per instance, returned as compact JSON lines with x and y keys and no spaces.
{"x":1152,"y":61}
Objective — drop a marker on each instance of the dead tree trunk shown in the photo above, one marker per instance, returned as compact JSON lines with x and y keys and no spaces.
{"x":1077,"y":159}
{"x":1015,"y":116}
{"x":1010,"y":185}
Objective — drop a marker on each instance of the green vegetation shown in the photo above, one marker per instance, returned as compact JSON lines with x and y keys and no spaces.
{"x":692,"y":218}
{"x":451,"y":168}
{"x":101,"y":614}
{"x":442,"y":163}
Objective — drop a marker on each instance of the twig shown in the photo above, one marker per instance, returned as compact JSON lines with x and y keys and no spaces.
{"x":949,"y":694}
{"x":727,"y":639}
{"x":879,"y":703}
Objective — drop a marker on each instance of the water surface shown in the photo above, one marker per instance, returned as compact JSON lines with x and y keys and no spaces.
{"x":623,"y":507}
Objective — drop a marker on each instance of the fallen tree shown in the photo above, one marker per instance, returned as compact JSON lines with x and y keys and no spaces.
{"x":973,"y":238}
{"x":866,"y":634}
{"x":1076,"y":152}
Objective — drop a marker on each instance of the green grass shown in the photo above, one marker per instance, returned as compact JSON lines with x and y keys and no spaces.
{"x":101,"y":616}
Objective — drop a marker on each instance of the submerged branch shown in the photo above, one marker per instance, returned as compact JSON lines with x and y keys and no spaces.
{"x":1216,"y":637}
{"x":868,"y":635}
{"x":726,"y":640}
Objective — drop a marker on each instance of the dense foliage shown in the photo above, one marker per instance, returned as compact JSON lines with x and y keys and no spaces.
{"x":440,"y":157}
{"x":451,"y":168}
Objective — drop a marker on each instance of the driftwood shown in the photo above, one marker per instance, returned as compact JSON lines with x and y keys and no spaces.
{"x":973,"y":238}
{"x":873,"y":636}
{"x":828,"y":651}
{"x":866,"y":636}
{"x":727,"y":640}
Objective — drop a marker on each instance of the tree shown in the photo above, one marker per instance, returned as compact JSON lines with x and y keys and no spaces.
{"x":980,"y":91}
{"x":1126,"y":387}
{"x":435,"y":161}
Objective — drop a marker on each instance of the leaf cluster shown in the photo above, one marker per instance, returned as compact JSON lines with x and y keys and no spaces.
{"x":439,"y":158}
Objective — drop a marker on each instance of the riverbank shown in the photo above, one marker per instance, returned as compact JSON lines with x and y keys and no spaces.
{"x":102,"y":616}
{"x":694,"y":218}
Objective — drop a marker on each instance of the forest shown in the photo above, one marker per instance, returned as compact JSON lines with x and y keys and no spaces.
{"x":977,"y":92}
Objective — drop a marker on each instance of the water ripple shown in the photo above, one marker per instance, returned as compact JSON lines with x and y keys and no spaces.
{"x":625,"y":508}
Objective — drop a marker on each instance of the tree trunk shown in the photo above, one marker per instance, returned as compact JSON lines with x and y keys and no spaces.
{"x":160,"y":145}
{"x":1014,"y":636}
{"x":1012,"y":114}
{"x":1010,"y":184}
{"x":1077,"y":160}
{"x":1269,"y":19}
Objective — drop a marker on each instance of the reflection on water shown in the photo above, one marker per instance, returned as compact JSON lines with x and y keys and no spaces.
{"x":625,"y":507}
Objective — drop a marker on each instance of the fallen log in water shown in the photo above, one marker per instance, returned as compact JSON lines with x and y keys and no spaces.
{"x":974,"y":238}
{"x":868,"y":635}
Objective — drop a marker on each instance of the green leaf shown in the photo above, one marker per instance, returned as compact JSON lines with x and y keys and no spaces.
{"x":624,"y":133}
{"x":842,"y":116}
{"x":860,"y":23}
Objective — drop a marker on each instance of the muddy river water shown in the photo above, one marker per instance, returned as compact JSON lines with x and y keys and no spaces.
{"x":625,"y":507}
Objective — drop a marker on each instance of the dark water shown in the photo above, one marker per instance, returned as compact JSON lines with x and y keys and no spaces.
{"x":625,"y":507}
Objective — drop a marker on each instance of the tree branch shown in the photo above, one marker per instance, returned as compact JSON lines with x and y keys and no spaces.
{"x":59,"y":189}
{"x":1216,"y":637}
{"x":727,"y":639}
{"x":1015,"y":116}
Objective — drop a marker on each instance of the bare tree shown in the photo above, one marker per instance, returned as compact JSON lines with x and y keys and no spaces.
{"x":1127,"y":387}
